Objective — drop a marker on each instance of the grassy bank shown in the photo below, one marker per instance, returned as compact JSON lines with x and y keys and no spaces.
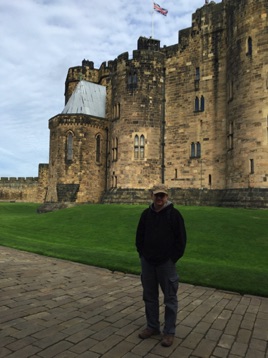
{"x":226,"y":249}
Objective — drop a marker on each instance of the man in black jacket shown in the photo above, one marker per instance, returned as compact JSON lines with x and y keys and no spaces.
{"x":160,"y":242}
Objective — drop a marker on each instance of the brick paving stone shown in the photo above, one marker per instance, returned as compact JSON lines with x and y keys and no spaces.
{"x":145,"y":346}
{"x":252,"y":353}
{"x":21,"y":343}
{"x":119,"y":350}
{"x":181,"y":352}
{"x":106,"y":344}
{"x":83,"y":346}
{"x":204,"y":348}
{"x":55,"y":308}
{"x":202,"y":327}
{"x":130,"y":355}
{"x":55,"y":349}
{"x":25,"y":352}
{"x":226,"y":341}
{"x":239,"y":349}
{"x":4,"y":352}
{"x":89,"y":354}
{"x":258,"y":344}
{"x":192,"y":340}
{"x":214,"y":335}
{"x":221,"y":352}
{"x":243,"y":336}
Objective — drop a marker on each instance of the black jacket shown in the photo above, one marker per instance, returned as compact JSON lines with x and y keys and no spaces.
{"x":161,"y":235}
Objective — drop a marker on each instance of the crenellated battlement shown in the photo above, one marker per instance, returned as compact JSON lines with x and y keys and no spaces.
{"x":16,"y":180}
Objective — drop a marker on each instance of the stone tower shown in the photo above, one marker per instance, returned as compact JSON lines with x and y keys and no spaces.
{"x":247,"y":93}
{"x":137,"y":117}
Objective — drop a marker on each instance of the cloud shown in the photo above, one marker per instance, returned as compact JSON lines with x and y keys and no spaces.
{"x":41,"y":39}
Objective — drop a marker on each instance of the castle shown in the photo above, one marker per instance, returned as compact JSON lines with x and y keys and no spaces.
{"x":193,"y":115}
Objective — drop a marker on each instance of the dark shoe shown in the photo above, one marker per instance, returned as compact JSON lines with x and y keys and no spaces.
{"x":148,"y":332}
{"x":167,"y":340}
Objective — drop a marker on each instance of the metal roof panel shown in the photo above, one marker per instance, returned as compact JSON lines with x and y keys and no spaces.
{"x":87,"y":98}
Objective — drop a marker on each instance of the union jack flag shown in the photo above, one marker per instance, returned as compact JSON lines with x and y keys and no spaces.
{"x":159,"y":9}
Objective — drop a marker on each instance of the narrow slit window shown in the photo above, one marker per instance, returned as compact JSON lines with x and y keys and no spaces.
{"x":202,"y":104}
{"x":142,"y":142}
{"x":249,"y":49}
{"x":70,"y":146}
{"x":196,"y":104}
{"x":136,"y":147}
{"x":115,"y":149}
{"x":98,"y":148}
{"x":197,"y":74}
{"x":192,"y":150}
{"x":198,"y":150}
{"x":251,"y":166}
{"x":209,"y":180}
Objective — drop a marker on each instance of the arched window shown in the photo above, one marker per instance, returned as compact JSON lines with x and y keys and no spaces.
{"x":139,"y":147}
{"x":192,"y":150}
{"x":142,"y":143}
{"x":196,"y":104}
{"x":251,"y":166}
{"x":136,"y":147}
{"x":69,"y":146}
{"x":210,"y":180}
{"x":198,"y":150}
{"x":98,"y":148}
{"x":115,"y":149}
{"x":195,"y":150}
{"x":202,"y":104}
{"x":199,"y":105}
{"x":114,"y":180}
{"x":132,"y":80}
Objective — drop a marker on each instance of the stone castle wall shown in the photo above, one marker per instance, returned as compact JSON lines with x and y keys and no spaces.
{"x":193,"y":115}
{"x":19,"y":189}
{"x":29,"y":189}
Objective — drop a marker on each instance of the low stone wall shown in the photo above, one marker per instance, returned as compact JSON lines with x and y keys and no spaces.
{"x":19,"y":189}
{"x":240,"y":198}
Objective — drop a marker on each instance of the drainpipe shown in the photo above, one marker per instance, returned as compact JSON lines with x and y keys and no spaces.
{"x":163,"y":127}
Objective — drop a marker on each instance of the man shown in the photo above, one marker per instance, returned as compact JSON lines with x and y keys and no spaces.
{"x":160,"y":242}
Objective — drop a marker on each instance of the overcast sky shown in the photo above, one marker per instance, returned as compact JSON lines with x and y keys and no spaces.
{"x":41,"y":39}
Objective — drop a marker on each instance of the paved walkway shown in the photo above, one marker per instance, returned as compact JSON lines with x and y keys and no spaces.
{"x":54,"y":308}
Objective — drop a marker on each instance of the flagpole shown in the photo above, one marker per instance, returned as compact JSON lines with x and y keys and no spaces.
{"x":152,"y":35}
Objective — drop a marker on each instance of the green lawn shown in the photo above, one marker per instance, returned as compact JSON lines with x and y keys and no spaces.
{"x":226,"y":249}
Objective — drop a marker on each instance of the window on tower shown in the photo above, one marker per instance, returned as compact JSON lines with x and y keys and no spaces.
{"x":195,"y":150}
{"x":132,"y":80}
{"x":114,"y":149}
{"x":69,"y":146}
{"x":249,"y":47}
{"x":199,"y":104}
{"x":139,"y":147}
{"x":197,"y":78}
{"x":98,"y":148}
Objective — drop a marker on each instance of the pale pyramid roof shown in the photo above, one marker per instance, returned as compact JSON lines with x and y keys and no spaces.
{"x":87,"y":98}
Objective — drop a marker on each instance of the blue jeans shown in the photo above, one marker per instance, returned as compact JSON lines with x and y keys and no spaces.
{"x":166,"y":277}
